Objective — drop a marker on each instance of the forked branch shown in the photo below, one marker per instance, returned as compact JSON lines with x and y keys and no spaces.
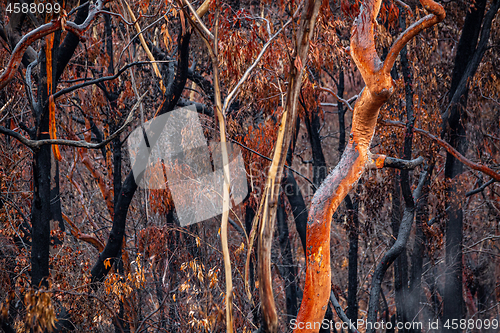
{"x":17,"y":54}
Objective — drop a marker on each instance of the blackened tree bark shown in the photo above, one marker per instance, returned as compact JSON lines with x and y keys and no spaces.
{"x":319,"y":163}
{"x":294,"y":194}
{"x":46,"y":204}
{"x":12,"y":35}
{"x":249,"y":217}
{"x":298,"y":205}
{"x":352,"y":287}
{"x":341,"y":111}
{"x":41,"y":213}
{"x":352,"y":208}
{"x":289,"y":269}
{"x":399,"y":272}
{"x":415,"y":294}
{"x":70,"y":43}
{"x":129,"y":186}
{"x":401,"y":263}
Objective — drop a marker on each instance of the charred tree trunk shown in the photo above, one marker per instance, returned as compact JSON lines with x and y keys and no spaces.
{"x":114,"y":244}
{"x":401,"y":263}
{"x":293,"y":192}
{"x":298,"y":205}
{"x":289,"y":269}
{"x":396,"y":217}
{"x":352,"y":288}
{"x":45,"y":171}
{"x":319,"y":163}
{"x":352,"y":209}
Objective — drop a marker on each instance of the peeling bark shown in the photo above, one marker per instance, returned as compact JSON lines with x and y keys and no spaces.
{"x":379,"y":86}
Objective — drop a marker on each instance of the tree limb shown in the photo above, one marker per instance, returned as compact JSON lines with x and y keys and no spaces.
{"x":337,"y":97}
{"x":36,"y":144}
{"x":102,"y":79}
{"x":393,"y":252}
{"x":437,"y":15}
{"x":341,"y":314}
{"x":40,"y":32}
{"x":475,"y":166}
{"x":481,"y":188}
{"x":75,"y":231}
{"x":381,"y":161}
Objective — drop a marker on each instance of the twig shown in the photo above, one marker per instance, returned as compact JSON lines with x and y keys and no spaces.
{"x":105,"y":78}
{"x":232,"y":95}
{"x":337,"y":97}
{"x":121,"y":16}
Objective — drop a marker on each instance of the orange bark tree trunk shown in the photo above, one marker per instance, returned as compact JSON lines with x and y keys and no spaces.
{"x":356,"y":156}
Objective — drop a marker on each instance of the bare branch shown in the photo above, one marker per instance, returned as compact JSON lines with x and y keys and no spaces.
{"x":40,"y":32}
{"x":196,"y":18}
{"x":475,"y":166}
{"x":437,"y":15}
{"x":105,"y":78}
{"x":404,"y":5}
{"x":381,"y":161}
{"x":21,"y":47}
{"x":36,"y":144}
{"x":337,"y":97}
{"x":481,"y":188}
{"x":145,"y":46}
